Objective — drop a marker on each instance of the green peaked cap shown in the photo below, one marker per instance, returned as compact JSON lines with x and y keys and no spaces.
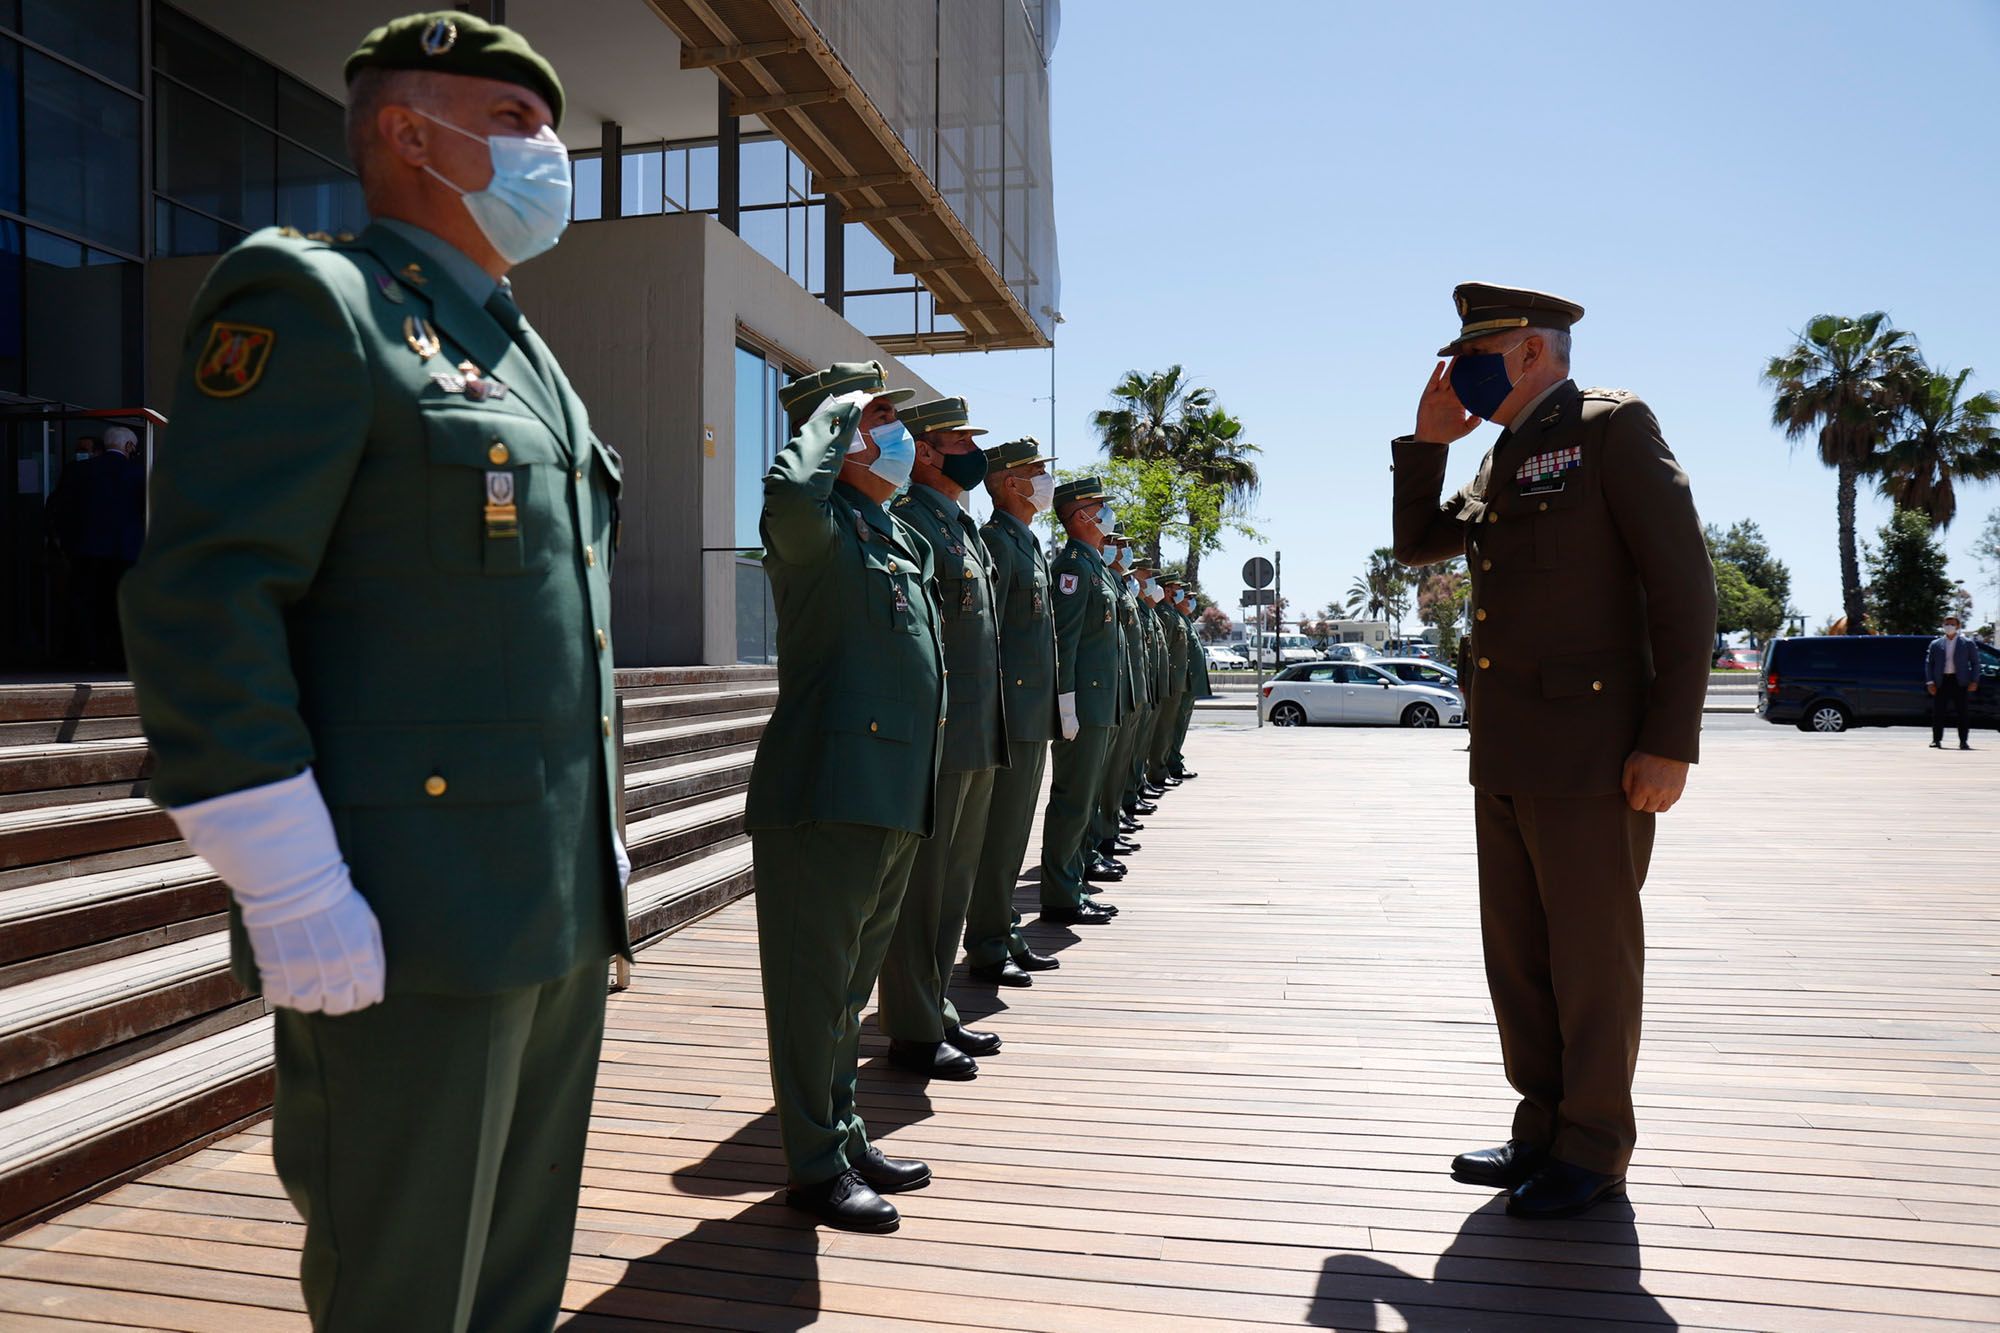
{"x":451,"y":42}
{"x":1484,"y":308}
{"x":1015,"y":453}
{"x":939,"y":414}
{"x":805,"y":393}
{"x":1083,"y":488}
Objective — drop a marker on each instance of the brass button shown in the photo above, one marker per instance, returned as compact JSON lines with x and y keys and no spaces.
{"x":1019,"y":681}
{"x":873,"y":727}
{"x":498,"y":454}
{"x":1492,"y":517}
{"x":1597,"y":685}
{"x":1480,"y":614}
{"x":1545,"y":506}
{"x":1486,"y":564}
{"x":605,"y":722}
{"x":1485,"y":662}
{"x":578,"y":474}
{"x":603,"y":641}
{"x":590,"y":556}
{"x":434,"y":785}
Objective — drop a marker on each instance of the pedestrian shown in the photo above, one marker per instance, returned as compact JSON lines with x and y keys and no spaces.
{"x":369,"y":634}
{"x":915,"y":1013}
{"x":1092,"y":696}
{"x":1020,"y":487}
{"x":1593,"y":611}
{"x":97,"y":515}
{"x":1951,"y":673}
{"x":843,"y":790}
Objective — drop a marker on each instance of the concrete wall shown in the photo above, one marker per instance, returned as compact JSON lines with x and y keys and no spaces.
{"x":644,"y":315}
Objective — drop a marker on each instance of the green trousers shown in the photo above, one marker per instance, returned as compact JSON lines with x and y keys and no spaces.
{"x":1166,"y":731}
{"x":434,"y":1146}
{"x":992,"y":926}
{"x":1117,"y":779}
{"x":1175,"y":757}
{"x":915,"y":1003}
{"x":827,"y":896}
{"x":1076,"y":779}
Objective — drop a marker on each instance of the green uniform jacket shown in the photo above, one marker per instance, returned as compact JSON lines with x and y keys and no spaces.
{"x":975,"y":733}
{"x":1089,"y":651}
{"x":1135,"y":680}
{"x":1160,"y":627}
{"x":1197,"y":661}
{"x":324,"y":584}
{"x":1180,"y":646}
{"x":856,"y":735}
{"x":1593,"y":599}
{"x":1027,"y":629}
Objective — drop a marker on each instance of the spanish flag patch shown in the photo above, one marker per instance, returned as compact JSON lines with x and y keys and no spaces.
{"x":233,"y":359}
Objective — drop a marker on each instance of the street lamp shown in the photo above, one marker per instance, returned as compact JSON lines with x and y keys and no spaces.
{"x":1055,"y":318}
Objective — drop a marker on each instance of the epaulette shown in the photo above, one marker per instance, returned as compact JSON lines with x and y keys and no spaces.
{"x":902,"y":500}
{"x":1610,"y":395}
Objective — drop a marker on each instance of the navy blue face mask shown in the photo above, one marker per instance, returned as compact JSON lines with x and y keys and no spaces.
{"x":1480,"y":381}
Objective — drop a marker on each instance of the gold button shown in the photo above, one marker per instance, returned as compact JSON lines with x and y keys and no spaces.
{"x":1486,"y":564}
{"x":1480,"y":614}
{"x":603,"y":641}
{"x":434,"y":785}
{"x":873,"y":727}
{"x":1597,"y":685}
{"x":498,"y":454}
{"x":605,"y":722}
{"x":578,"y":474}
{"x":1493,"y":518}
{"x":1485,"y":662}
{"x":590,"y":555}
{"x":1019,"y":681}
{"x":1545,"y":506}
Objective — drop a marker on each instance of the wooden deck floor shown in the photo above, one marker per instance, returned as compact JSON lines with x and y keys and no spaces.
{"x":1232,"y":1107}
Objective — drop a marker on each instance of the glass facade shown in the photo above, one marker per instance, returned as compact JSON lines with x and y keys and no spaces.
{"x":760,"y":432}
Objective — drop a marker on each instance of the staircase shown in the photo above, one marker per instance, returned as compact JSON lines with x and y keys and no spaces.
{"x":124,"y":1040}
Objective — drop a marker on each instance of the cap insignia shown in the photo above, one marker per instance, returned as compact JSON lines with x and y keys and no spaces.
{"x":440,"y":37}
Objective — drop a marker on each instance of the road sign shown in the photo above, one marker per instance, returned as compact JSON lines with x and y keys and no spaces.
{"x":1257,"y":572}
{"x":1258,"y":597}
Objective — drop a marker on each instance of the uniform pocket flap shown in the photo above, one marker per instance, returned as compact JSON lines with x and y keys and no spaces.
{"x":608,"y":456}
{"x":486,"y":437}
{"x":1595,"y":673}
{"x":415,"y":764}
{"x":883,"y":718}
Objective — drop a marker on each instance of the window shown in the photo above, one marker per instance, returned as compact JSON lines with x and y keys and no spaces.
{"x":81,"y":159}
{"x":761,"y":431}
{"x":1323,"y":674}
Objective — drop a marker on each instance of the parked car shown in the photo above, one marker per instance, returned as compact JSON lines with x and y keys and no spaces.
{"x":1832,"y":683}
{"x":1349,"y":652}
{"x":1412,"y":648}
{"x":1418,"y":671}
{"x":1738,"y":659}
{"x":1223,"y":656}
{"x":1356,"y":694}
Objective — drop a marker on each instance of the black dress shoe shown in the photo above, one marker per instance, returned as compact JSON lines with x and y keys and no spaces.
{"x":1107,"y":848}
{"x":1169,"y":780}
{"x":1145,"y":808}
{"x":1003,"y":973}
{"x":1030,"y":961}
{"x":891,"y":1175}
{"x":1083,"y":914}
{"x":847,"y":1201}
{"x":1127,"y":824}
{"x":1186,"y":774}
{"x":972,"y":1042}
{"x":1562,"y":1190}
{"x":1104,"y":871}
{"x":1125,"y":846}
{"x":1964,"y":746}
{"x":1152,"y":792}
{"x":933,"y":1059}
{"x":1500,"y":1168}
{"x":1937,"y":745}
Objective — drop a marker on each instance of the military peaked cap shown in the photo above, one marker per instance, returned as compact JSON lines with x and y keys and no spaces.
{"x":939,"y":414}
{"x":1172,"y":574}
{"x":451,"y":42}
{"x":1084,"y":490}
{"x":802,"y":395}
{"x":1484,"y":308}
{"x":1015,"y":453}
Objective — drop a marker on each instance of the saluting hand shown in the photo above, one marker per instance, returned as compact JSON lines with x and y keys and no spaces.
{"x":1654,"y":785}
{"x":1441,"y":418}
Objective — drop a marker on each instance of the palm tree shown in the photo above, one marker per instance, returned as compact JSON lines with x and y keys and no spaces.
{"x":1383,"y":588}
{"x":1843,"y":380}
{"x":1148,"y":420}
{"x":1213,"y":452}
{"x":1940,"y":439}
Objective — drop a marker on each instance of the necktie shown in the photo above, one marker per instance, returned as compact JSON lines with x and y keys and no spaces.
{"x":501,"y":306}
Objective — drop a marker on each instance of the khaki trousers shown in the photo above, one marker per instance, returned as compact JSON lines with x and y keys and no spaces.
{"x":1565,"y":944}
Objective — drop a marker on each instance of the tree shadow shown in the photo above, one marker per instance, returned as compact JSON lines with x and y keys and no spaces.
{"x":1500,"y":1275}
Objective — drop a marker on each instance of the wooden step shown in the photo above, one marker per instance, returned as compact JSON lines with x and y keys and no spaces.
{"x":80,"y":699}
{"x":675,"y":835}
{"x":640,"y":678}
{"x":661,"y":902}
{"x":688,"y":737}
{"x":643,"y":710}
{"x":53,"y":919}
{"x":52,"y":731}
{"x":58,"y":833}
{"x":59,"y":764}
{"x":654,"y":785}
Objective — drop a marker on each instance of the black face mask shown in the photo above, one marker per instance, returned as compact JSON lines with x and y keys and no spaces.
{"x":965,"y":470}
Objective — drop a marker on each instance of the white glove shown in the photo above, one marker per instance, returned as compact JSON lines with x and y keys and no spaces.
{"x":1067,"y":704}
{"x":318,"y":946}
{"x":859,"y":399}
{"x":624,"y":860}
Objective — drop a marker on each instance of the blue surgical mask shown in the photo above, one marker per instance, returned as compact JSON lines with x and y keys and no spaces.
{"x":1480,"y":381}
{"x":898,"y":453}
{"x":525,"y":207}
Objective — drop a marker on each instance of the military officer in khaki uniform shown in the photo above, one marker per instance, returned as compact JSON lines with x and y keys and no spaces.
{"x":1594,"y":609}
{"x":1019,"y":484}
{"x":1091,"y":698}
{"x":842,"y":794}
{"x":370,"y":638}
{"x":915,"y":1013}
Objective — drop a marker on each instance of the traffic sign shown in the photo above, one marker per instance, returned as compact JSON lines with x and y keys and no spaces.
{"x":1257,"y":572}
{"x":1258,"y":597}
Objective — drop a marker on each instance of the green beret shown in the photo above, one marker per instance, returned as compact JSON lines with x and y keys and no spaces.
{"x":452,"y":42}
{"x":1484,"y":308}
{"x":940,"y":414}
{"x":807,"y":392}
{"x":1015,"y":453}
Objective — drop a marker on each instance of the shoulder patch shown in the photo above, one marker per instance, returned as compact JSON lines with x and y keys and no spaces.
{"x":1066,"y":584}
{"x":233,"y":359}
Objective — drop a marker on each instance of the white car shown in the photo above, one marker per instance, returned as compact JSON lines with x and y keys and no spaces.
{"x":1356,"y":694}
{"x":1220,"y":656}
{"x":1419,"y":671}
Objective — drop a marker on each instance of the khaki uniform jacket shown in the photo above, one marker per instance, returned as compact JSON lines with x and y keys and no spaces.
{"x":975,"y":732}
{"x":1593,"y":598}
{"x":324,"y":584}
{"x":857,"y":733}
{"x":1090,"y":654}
{"x":1027,"y":629}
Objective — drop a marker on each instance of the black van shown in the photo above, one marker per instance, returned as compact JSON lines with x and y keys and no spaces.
{"x":1862,"y":680}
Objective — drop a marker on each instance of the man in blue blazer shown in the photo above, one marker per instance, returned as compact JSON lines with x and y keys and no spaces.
{"x":1951,"y":670}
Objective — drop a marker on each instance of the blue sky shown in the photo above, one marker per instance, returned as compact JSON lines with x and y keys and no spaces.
{"x":1281,"y":194}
